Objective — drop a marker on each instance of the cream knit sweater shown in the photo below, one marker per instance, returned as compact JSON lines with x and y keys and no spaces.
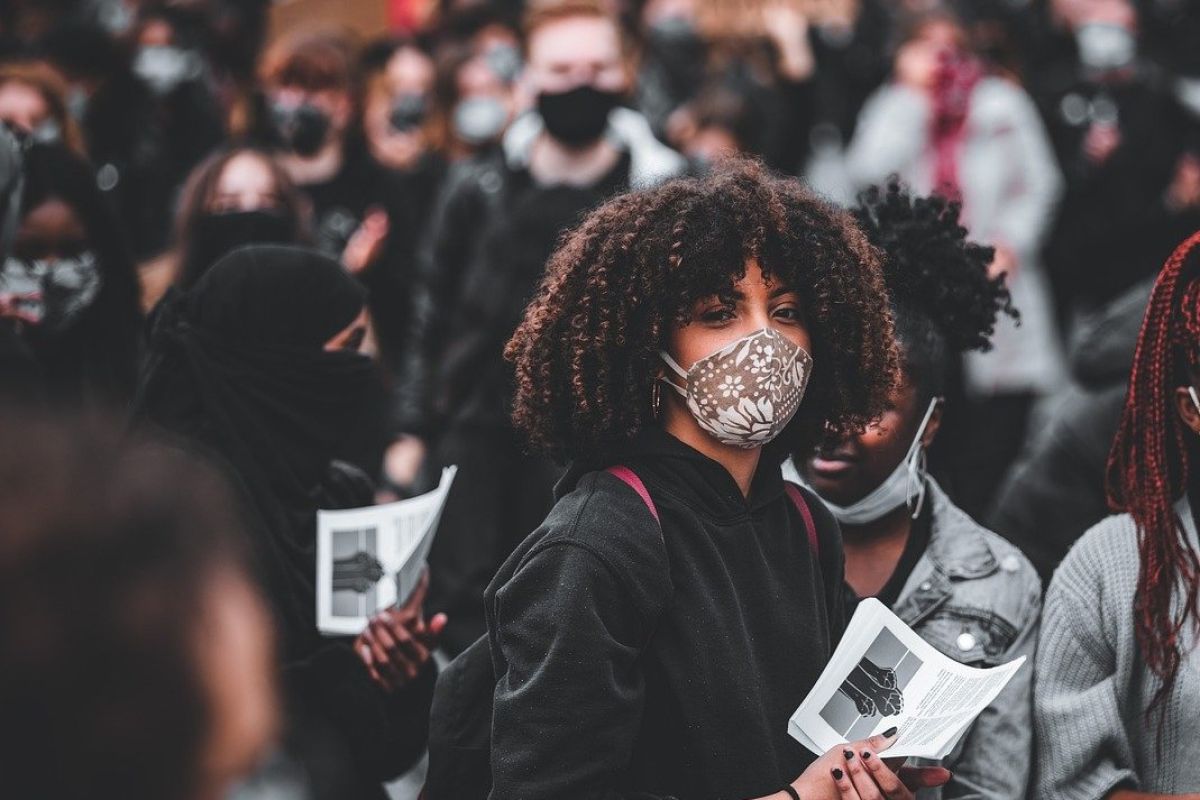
{"x":1092,"y":688}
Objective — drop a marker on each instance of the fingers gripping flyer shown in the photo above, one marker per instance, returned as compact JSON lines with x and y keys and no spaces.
{"x":369,"y":559}
{"x":884,"y":675}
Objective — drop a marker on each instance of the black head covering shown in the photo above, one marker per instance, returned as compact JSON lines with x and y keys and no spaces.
{"x":238,"y":365}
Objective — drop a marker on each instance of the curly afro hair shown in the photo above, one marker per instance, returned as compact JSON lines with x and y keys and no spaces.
{"x":942,"y":296}
{"x":586,"y":353}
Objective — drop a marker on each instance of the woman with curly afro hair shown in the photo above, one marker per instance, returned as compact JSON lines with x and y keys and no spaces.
{"x":905,"y":542}
{"x":1117,"y":699}
{"x":654,"y":646}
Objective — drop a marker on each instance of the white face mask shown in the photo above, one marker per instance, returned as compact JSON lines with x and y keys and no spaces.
{"x":1195,"y":399}
{"x":1105,"y":46}
{"x":906,"y":484}
{"x":746,"y":393}
{"x":1187,"y":91}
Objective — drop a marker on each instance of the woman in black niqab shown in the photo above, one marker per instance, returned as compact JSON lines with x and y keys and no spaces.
{"x":241,"y":366}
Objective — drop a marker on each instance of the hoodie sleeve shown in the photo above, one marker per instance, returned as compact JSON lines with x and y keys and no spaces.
{"x":567,"y":632}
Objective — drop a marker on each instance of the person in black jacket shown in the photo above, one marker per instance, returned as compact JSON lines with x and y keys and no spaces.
{"x":674,"y":335}
{"x":270,"y":390}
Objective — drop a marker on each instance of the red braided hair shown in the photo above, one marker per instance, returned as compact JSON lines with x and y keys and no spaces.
{"x":1148,"y":466}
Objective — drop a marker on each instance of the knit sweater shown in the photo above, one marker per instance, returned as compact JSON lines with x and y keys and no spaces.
{"x":1092,"y":686}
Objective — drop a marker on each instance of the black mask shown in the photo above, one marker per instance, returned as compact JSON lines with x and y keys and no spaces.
{"x":215,"y":235}
{"x":408,"y":112}
{"x":302,"y":129}
{"x":577,"y":117}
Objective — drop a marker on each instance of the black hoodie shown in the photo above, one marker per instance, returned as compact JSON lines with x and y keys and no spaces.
{"x":635,"y":663}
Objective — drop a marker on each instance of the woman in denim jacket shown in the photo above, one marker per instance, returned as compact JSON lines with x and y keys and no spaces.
{"x":964,"y":589}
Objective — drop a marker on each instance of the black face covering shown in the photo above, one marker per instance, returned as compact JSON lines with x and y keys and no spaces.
{"x":237,"y":365}
{"x":303,"y":129}
{"x":579,"y":116}
{"x":408,"y":112}
{"x":215,"y":235}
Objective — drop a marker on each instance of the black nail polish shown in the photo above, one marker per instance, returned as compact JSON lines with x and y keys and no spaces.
{"x":866,"y":755}
{"x":837,"y":774}
{"x":890,"y":732}
{"x":847,"y":754}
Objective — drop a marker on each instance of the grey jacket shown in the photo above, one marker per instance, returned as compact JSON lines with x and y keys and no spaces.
{"x":1093,"y":687}
{"x":977,"y":599}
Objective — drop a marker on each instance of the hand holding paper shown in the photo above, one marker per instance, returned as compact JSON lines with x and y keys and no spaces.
{"x":370,"y":559}
{"x":398,"y":641}
{"x":883,"y":675}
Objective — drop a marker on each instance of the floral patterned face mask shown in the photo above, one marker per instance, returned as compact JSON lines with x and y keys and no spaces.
{"x":747,"y":392}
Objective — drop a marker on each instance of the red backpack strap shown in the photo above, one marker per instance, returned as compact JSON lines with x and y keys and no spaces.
{"x":797,"y":498}
{"x":630,"y":478}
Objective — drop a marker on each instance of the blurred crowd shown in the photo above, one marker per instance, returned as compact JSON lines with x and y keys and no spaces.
{"x":429,"y":172}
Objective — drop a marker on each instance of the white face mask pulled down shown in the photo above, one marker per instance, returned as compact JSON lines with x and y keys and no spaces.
{"x":906,"y":484}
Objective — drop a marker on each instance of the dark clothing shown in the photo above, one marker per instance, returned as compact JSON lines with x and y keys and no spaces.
{"x":492,"y":233}
{"x":648,"y":662}
{"x":339,"y":207}
{"x":247,"y":375}
{"x":850,"y":66}
{"x":1055,"y":492}
{"x":500,"y":494}
{"x":244,"y":376}
{"x":1113,"y":227}
{"x":918,"y":540}
{"x":981,"y":439}
{"x":144,"y":148}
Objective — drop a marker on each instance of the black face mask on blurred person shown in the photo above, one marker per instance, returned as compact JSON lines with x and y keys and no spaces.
{"x":215,"y":235}
{"x":303,"y":129}
{"x":579,"y":116}
{"x":407,"y":113}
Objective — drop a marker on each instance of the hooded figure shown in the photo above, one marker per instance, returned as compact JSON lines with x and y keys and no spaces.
{"x":259,"y":384}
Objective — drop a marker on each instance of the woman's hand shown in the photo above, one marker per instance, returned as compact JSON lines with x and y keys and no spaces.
{"x":398,"y":641}
{"x":366,"y":243}
{"x":856,"y":772}
{"x":20,"y":307}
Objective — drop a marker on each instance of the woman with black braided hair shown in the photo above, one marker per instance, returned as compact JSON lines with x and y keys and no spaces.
{"x":1117,"y":702}
{"x":962,"y":588}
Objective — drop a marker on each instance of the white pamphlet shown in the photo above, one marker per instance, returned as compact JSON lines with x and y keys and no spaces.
{"x":884,"y":675}
{"x":371,"y":558}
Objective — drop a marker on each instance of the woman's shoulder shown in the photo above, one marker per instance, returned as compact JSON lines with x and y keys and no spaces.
{"x":983,"y":563}
{"x":607,"y":517}
{"x":1103,"y":565}
{"x":600,"y":533}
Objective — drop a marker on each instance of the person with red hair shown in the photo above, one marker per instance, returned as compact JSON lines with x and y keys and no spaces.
{"x":1117,"y":695}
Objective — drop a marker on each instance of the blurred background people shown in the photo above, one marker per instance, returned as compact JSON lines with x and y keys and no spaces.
{"x":1128,"y":153}
{"x":33,"y":101}
{"x":257,"y":365}
{"x":1055,"y":490}
{"x":68,"y":286}
{"x":945,"y":123}
{"x":497,"y":221}
{"x":131,"y":553}
{"x":311,"y":82}
{"x":237,"y":196}
{"x":398,"y":121}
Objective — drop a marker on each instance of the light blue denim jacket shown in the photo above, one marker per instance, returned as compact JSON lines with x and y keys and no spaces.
{"x":977,"y":599}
